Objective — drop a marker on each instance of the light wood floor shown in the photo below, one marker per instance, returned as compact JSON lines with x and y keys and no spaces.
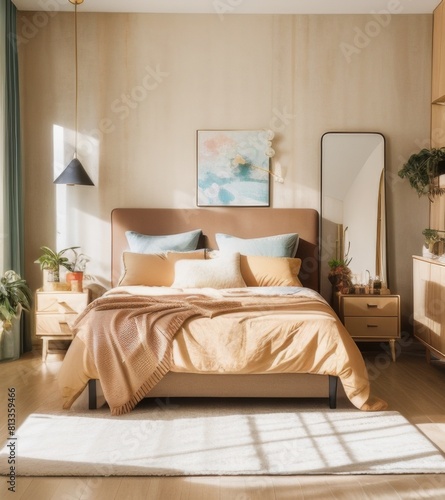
{"x":411,"y":386}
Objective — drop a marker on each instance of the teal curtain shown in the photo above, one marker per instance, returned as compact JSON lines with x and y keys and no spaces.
{"x":13,"y":222}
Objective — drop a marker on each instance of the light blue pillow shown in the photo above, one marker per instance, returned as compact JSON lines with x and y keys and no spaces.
{"x":280,"y":245}
{"x":145,"y":243}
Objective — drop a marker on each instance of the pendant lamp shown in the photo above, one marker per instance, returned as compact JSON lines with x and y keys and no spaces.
{"x":74,"y":173}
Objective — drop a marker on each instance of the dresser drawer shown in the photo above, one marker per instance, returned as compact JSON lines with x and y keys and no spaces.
{"x":370,"y":305}
{"x":67,"y":302}
{"x":370,"y":327}
{"x":54,"y":324}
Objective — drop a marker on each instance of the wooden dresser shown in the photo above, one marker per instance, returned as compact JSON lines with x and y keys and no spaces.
{"x":429,"y":305}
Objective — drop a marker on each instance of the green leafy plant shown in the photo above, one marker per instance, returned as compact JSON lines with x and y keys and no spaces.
{"x":422,"y":170}
{"x":78,"y":261}
{"x":433,"y":240}
{"x":340,"y":274}
{"x":334,"y":263}
{"x":14,"y":292}
{"x":431,"y":235}
{"x":52,"y":260}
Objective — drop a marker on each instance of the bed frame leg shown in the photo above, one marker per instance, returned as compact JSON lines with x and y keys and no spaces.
{"x":92,"y":395}
{"x":333,"y":381}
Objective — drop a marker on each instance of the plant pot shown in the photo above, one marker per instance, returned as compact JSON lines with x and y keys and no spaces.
{"x":440,"y":168}
{"x":50,"y":284}
{"x":10,"y":339}
{"x":75,"y":281}
{"x":436,"y":248}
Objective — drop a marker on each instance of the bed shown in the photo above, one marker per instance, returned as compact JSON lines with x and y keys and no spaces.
{"x":218,"y":320}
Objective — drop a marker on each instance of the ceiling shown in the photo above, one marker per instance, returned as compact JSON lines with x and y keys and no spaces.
{"x":238,"y":6}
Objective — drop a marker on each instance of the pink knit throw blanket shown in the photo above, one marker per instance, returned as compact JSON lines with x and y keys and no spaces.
{"x":130,"y":340}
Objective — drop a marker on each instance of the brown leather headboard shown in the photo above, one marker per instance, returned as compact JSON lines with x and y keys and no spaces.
{"x":238,"y":221}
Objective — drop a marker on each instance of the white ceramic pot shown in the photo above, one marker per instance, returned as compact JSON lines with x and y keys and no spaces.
{"x":10,"y":339}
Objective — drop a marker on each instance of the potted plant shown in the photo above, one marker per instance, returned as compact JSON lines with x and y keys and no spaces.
{"x":433,"y":241}
{"x":340,"y":275}
{"x":15,"y":295}
{"x":76,"y":270}
{"x":423,"y":170}
{"x":50,"y":262}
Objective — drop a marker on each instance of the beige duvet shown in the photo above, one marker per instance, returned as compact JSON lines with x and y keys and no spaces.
{"x":132,"y":336}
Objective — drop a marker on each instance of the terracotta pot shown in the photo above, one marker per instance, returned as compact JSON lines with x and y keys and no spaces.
{"x":75,"y":281}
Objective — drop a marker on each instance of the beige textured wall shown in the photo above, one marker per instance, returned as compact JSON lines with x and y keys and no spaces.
{"x":148,"y":82}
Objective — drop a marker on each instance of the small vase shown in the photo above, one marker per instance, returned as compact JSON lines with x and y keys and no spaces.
{"x":75,"y":281}
{"x":51,"y":282}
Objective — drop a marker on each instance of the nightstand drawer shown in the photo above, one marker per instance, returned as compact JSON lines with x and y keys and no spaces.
{"x":370,"y":306}
{"x":386,"y":327}
{"x":54,"y":324}
{"x":67,"y":302}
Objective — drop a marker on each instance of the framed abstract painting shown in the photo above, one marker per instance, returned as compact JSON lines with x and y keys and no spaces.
{"x":233,"y":167}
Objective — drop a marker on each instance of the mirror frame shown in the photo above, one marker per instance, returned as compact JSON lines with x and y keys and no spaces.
{"x":327,"y":248}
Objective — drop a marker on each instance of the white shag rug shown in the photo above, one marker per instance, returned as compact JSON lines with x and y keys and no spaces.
{"x":220,"y":437}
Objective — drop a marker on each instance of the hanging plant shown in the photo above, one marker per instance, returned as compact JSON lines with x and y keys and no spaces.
{"x":423,"y":170}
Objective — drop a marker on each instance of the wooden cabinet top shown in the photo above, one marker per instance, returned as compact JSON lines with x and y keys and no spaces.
{"x":429,"y":260}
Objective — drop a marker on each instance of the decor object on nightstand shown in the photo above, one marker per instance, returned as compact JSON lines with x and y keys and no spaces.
{"x":423,"y":170}
{"x":434,"y":242}
{"x":15,"y":296}
{"x":76,"y":271}
{"x":55,"y":314}
{"x":340,"y":275}
{"x":50,"y":262}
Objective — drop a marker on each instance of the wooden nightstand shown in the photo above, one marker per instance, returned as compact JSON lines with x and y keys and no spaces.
{"x":55,"y":313}
{"x":372,"y":318}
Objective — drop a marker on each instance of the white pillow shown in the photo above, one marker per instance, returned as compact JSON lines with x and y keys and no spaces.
{"x":221,"y":272}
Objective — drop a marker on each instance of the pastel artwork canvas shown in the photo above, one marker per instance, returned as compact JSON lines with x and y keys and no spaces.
{"x":233,"y":168}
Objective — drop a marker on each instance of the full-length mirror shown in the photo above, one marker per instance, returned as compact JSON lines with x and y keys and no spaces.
{"x":353,"y":216}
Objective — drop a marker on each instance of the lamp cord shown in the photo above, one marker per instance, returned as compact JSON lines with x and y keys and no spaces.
{"x":75,"y":66}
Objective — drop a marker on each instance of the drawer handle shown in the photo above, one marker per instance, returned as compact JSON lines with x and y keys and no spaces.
{"x":372,"y":326}
{"x":370,"y":306}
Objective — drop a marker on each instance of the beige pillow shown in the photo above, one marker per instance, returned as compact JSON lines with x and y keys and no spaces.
{"x":270,"y":271}
{"x":220,"y":272}
{"x":156,"y":269}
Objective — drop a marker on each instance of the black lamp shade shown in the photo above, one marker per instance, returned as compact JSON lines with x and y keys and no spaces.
{"x":74,"y":173}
